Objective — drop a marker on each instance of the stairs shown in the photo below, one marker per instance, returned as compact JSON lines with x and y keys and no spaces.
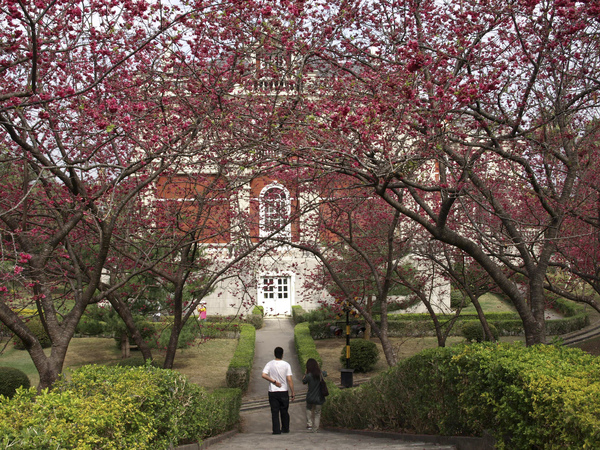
{"x":584,"y":334}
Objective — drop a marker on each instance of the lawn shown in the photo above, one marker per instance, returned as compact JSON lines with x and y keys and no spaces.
{"x":490,"y":303}
{"x":204,"y":363}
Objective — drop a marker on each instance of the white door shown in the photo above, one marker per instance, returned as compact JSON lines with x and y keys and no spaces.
{"x":275,"y":295}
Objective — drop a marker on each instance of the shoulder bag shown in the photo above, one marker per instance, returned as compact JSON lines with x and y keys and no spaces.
{"x":323,"y":385}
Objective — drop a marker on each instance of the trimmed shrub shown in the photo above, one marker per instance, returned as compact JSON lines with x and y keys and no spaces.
{"x":458,"y":299}
{"x":328,"y":313}
{"x":219,"y":327}
{"x":363,"y":355}
{"x":35,"y":325}
{"x":90,"y":327}
{"x":567,"y":325}
{"x":240,"y":366}
{"x":411,"y":328}
{"x":11,"y":379}
{"x":507,"y":324}
{"x":115,"y":407}
{"x":189,"y":332}
{"x":94,"y":320}
{"x":136,"y":361}
{"x":473,"y":331}
{"x":256,"y":319}
{"x":147,"y":329}
{"x":319,"y":330}
{"x":298,"y":314}
{"x":227,"y":401}
{"x":566,"y":307}
{"x":512,"y":327}
{"x":305,"y":344}
{"x":526,"y":397}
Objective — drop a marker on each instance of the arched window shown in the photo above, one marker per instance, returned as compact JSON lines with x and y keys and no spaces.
{"x":274,"y":211}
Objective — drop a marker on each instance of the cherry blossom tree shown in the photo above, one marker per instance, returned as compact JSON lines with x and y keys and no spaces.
{"x":466,"y":276}
{"x":473,"y":120}
{"x":192,"y":240}
{"x":93,"y":110}
{"x":361,"y":246}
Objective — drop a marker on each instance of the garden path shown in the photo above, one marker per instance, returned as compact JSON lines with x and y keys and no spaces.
{"x":256,"y":415}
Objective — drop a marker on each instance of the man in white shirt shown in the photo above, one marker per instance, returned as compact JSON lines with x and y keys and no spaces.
{"x":281,"y":386}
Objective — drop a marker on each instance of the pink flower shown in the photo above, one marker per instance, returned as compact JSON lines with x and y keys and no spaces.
{"x":24,"y":258}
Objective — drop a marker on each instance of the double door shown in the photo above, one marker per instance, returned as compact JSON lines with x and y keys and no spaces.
{"x":275,"y":295}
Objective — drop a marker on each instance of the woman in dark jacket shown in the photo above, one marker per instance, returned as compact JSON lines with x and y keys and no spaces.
{"x":314,"y":398}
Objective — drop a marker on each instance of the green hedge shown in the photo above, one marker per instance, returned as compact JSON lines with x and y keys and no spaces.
{"x":220,"y":329}
{"x":91,"y":327}
{"x":227,"y":402}
{"x":113,"y":407}
{"x":305,"y":344}
{"x":575,"y":314}
{"x":298,"y":314}
{"x":323,"y":313}
{"x":238,"y":373}
{"x":526,"y":397}
{"x":566,"y":307}
{"x":363,"y":355}
{"x":257,"y":318}
{"x":507,"y":324}
{"x":567,"y":325}
{"x":306,"y":348}
{"x":473,"y":332}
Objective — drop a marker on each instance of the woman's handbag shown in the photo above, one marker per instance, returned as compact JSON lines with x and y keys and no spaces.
{"x":324,"y":389}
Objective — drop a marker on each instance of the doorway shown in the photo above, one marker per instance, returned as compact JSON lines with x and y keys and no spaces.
{"x":275,"y":295}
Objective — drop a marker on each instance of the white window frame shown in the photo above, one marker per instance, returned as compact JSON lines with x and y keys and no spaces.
{"x":286,"y":231}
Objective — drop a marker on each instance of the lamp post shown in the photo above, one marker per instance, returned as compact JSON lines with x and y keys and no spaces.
{"x":347,"y":336}
{"x":347,"y":373}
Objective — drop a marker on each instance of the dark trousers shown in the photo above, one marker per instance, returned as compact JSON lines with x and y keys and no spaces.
{"x":280,"y":402}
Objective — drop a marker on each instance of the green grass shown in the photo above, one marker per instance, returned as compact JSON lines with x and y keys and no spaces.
{"x":18,"y":359}
{"x":490,"y":303}
{"x":204,"y":363}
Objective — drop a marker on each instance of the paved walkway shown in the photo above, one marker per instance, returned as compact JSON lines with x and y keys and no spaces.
{"x":256,"y":423}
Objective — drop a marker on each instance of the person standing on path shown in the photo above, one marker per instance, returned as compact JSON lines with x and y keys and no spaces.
{"x":314,"y":398}
{"x":281,"y":387}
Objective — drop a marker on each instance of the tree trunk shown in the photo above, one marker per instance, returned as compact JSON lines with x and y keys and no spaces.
{"x":369,"y":309}
{"x":125,"y":347}
{"x":480,"y":314}
{"x":49,"y":367}
{"x":172,"y":348}
{"x":177,"y":325}
{"x":535,"y":327}
{"x":532,"y":322}
{"x":439,"y":334}
{"x":127,"y":317}
{"x":386,"y":345}
{"x":49,"y":373}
